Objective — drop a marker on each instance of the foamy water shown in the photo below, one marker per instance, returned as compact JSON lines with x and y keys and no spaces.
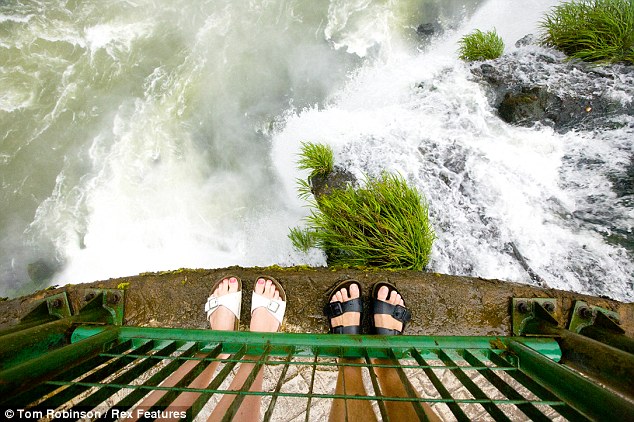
{"x":147,"y":138}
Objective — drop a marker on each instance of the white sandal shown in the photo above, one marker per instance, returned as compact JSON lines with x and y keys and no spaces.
{"x":277,"y":308}
{"x":231,"y":301}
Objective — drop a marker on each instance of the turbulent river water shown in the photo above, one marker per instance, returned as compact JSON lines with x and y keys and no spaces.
{"x":158,"y":134}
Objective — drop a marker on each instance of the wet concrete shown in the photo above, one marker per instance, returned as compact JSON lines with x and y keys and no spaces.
{"x":440,"y":304}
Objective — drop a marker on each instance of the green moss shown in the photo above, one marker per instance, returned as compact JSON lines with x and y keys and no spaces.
{"x":123,"y":286}
{"x":592,"y":30}
{"x":293,"y":268}
{"x":480,"y":45}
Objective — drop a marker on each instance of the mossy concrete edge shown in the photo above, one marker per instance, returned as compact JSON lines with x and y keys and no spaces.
{"x":441,"y":304}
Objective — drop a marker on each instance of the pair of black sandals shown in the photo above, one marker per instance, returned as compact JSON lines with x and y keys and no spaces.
{"x":335,"y":309}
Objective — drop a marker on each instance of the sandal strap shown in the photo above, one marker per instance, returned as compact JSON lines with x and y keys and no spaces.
{"x":335,"y":309}
{"x":387,"y":331}
{"x":398,"y":312}
{"x":346,"y":329}
{"x":277,"y":308}
{"x":231,"y":301}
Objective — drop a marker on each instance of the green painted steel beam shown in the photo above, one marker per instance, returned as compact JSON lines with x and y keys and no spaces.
{"x":590,"y":399}
{"x":25,"y":345}
{"x":30,"y":373}
{"x":327,"y":344}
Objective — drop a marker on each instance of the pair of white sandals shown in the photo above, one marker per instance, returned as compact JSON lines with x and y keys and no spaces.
{"x":233,"y":301}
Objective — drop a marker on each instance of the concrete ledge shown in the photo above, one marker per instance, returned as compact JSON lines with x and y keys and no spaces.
{"x":440,"y":304}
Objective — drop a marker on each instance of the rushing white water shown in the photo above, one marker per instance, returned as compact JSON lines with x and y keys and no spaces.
{"x":157,"y":135}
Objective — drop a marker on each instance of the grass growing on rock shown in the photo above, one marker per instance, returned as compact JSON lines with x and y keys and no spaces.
{"x":480,"y":45}
{"x":592,"y":30}
{"x":384,"y":224}
{"x":318,"y":158}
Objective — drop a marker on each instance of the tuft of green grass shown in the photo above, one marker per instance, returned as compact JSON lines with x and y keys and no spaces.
{"x":318,"y":158}
{"x":302,"y":239}
{"x":385,"y":224}
{"x":592,"y":30}
{"x":480,"y":45}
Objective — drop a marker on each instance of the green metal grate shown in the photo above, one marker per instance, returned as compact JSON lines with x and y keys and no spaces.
{"x":108,"y":370}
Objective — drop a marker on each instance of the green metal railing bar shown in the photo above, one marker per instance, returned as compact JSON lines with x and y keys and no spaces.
{"x":527,"y":408}
{"x":491,"y":408}
{"x":135,"y":396}
{"x":118,"y":358}
{"x":572,"y":387}
{"x":71,"y":373}
{"x":326,"y":344}
{"x":20,"y":377}
{"x":247,"y":385}
{"x":444,"y":393}
{"x":278,"y":386}
{"x":147,"y":388}
{"x":129,"y":376}
{"x":607,"y":364}
{"x":409,"y":388}
{"x":312,"y":384}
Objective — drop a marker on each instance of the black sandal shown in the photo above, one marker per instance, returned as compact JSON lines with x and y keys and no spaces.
{"x":335,"y":309}
{"x":398,"y":312}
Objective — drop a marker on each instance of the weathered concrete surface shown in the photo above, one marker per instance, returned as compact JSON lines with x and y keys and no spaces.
{"x":441,"y":304}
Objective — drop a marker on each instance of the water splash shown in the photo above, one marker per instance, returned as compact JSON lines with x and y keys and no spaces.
{"x":151,"y":138}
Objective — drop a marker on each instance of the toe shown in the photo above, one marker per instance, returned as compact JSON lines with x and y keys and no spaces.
{"x":382,"y":293}
{"x":338,"y":296}
{"x":392,"y":298}
{"x":233,"y":285}
{"x":354,"y":291}
{"x":344,"y":295}
{"x":260,"y":285}
{"x":270,"y":289}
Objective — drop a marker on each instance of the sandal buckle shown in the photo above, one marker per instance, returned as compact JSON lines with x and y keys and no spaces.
{"x":273,"y":306}
{"x":336,"y":308}
{"x":401,"y":313}
{"x":212,"y":303}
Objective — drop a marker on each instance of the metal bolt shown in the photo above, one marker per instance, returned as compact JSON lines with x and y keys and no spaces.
{"x":549,"y":306}
{"x":614,"y":319}
{"x":522,"y":307}
{"x":585,"y":312}
{"x":114,"y":299}
{"x":56,"y":303}
{"x":90,"y":296}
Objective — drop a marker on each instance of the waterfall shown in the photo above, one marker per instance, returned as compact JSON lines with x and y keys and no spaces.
{"x":156,"y":135}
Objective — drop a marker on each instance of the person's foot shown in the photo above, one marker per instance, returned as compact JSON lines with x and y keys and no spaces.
{"x":261,"y":319}
{"x":349,"y":318}
{"x":385,"y":320}
{"x":222,"y":318}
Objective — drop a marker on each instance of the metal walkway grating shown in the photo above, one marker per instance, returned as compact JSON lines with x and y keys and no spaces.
{"x":109,"y":370}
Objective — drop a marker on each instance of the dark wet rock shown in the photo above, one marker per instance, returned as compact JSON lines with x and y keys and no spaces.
{"x":429,"y":30}
{"x":338,"y":178}
{"x":40,"y":270}
{"x":526,"y":106}
{"x":525,"y":40}
{"x":623,"y":183}
{"x":536,"y":85}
